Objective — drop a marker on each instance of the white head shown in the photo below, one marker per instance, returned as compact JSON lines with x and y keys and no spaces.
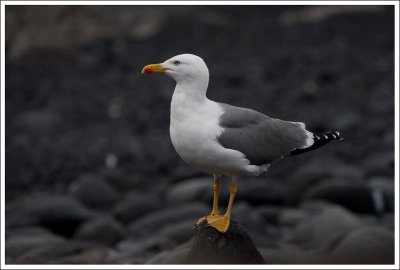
{"x":183,"y":68}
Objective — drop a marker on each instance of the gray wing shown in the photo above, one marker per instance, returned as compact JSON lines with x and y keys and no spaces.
{"x":260,"y":138}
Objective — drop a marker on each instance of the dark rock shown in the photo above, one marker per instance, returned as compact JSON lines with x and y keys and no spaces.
{"x":178,"y":232}
{"x":60,"y":214}
{"x":197,"y":189}
{"x":364,"y":246}
{"x":258,"y":191}
{"x":379,"y":164}
{"x":23,"y":241}
{"x":52,"y":254}
{"x":344,"y":194}
{"x":101,"y":255}
{"x":233,"y":247}
{"x":289,"y":254}
{"x":174,"y":256}
{"x":145,"y":246}
{"x":319,"y":171}
{"x":104,"y":230}
{"x":157,"y":220}
{"x":383,"y":193}
{"x":322,"y":231}
{"x":134,"y":205}
{"x":94,"y":191}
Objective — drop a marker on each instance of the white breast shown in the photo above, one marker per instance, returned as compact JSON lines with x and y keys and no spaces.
{"x":194,"y":132}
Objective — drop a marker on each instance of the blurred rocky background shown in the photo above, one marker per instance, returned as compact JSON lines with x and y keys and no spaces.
{"x":91,"y":174}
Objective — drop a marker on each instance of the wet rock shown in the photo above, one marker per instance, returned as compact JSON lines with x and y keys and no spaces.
{"x":94,"y":191}
{"x":197,"y":189}
{"x":364,"y":246}
{"x":157,"y":220}
{"x":233,"y":247}
{"x":60,"y":214}
{"x":134,"y":205}
{"x":322,"y":231}
{"x":343,"y":193}
{"x":103,"y":230}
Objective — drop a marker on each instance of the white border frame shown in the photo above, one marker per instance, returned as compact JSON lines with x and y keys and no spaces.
{"x":140,"y":266}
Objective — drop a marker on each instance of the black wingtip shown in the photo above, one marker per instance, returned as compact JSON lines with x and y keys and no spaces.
{"x":320,"y":139}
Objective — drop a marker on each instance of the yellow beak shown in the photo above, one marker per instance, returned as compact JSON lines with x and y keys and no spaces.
{"x":153,"y":68}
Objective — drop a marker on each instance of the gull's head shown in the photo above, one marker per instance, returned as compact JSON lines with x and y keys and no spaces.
{"x":183,"y":67}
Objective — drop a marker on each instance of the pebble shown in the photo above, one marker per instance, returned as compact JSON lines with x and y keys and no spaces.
{"x":258,"y":191}
{"x":23,"y":241}
{"x":157,"y":220}
{"x":174,"y":256}
{"x":288,"y":254}
{"x":53,"y":253}
{"x":104,"y":230}
{"x":134,"y":205}
{"x":343,"y":193}
{"x":94,"y":191}
{"x":319,"y":171}
{"x":323,"y":230}
{"x":61,"y":214}
{"x":197,"y":189}
{"x":369,"y":245}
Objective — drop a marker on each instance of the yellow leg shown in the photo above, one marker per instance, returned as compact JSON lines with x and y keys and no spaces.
{"x":221,"y":223}
{"x":215,"y":211}
{"x":217,"y":187}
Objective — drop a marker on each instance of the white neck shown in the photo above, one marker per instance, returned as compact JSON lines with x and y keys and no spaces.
{"x":188,"y":96}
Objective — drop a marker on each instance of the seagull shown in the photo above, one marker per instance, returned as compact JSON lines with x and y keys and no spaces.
{"x":224,"y":140}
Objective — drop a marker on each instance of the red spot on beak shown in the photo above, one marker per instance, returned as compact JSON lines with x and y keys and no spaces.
{"x":148,"y":70}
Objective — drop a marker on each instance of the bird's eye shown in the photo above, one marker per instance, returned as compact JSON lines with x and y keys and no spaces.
{"x":176,"y":62}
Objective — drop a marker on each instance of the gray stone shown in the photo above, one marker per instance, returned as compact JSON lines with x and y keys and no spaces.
{"x":134,"y":205}
{"x":20,"y":244}
{"x":94,"y":191}
{"x":364,"y":246}
{"x":322,"y":231}
{"x":51,"y":254}
{"x":97,"y":255}
{"x":60,"y":214}
{"x":319,"y":171}
{"x":145,"y":246}
{"x":258,"y":191}
{"x":288,"y":254}
{"x":212,"y":247}
{"x":174,"y":256}
{"x":356,"y":197}
{"x":157,"y":220}
{"x":103,"y":230}
{"x":379,"y":164}
{"x":178,"y":232}
{"x":384,"y":187}
{"x":197,"y":189}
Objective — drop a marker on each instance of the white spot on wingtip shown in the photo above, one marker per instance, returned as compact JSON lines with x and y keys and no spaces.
{"x":317,"y":137}
{"x":334,"y":136}
{"x":326,"y":137}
